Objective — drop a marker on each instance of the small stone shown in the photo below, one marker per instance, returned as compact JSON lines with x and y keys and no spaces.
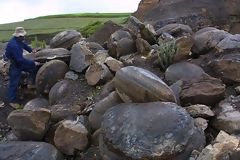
{"x":71,"y":75}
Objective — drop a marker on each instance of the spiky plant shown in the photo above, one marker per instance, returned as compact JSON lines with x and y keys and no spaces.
{"x":166,"y":53}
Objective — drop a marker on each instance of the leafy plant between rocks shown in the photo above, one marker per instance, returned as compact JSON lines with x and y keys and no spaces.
{"x":38,"y":44}
{"x":165,"y":54}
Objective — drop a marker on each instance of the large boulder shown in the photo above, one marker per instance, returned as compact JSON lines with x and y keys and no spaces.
{"x":183,"y":71}
{"x":29,"y":151}
{"x":95,"y":117}
{"x":71,"y":136}
{"x":65,"y":39}
{"x":164,"y":131}
{"x":196,"y":14}
{"x":36,"y":103}
{"x":81,"y":57}
{"x":135,"y":84}
{"x":228,"y":115}
{"x":103,"y":33}
{"x":29,"y":125}
{"x":121,"y":43}
{"x":207,"y":39}
{"x":49,"y":74}
{"x":226,"y":67}
{"x":60,"y":90}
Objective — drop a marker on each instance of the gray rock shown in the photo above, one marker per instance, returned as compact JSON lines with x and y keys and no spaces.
{"x":29,"y":151}
{"x":71,"y":136}
{"x":81,"y":57}
{"x":175,"y":29}
{"x":120,"y":43}
{"x":65,"y":39}
{"x":200,"y":110}
{"x":207,"y":39}
{"x":231,"y":42}
{"x":29,"y":125}
{"x":94,"y":47}
{"x":183,"y":71}
{"x":134,"y":25}
{"x":95,"y":117}
{"x":135,"y":84}
{"x":60,"y":90}
{"x":201,"y":123}
{"x":49,"y":74}
{"x":36,"y":103}
{"x":124,"y":46}
{"x":71,"y":75}
{"x":228,"y":115}
{"x":224,"y":147}
{"x":226,"y":67}
{"x":174,"y":136}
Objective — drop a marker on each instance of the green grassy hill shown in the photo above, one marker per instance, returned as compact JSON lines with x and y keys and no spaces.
{"x":56,"y":23}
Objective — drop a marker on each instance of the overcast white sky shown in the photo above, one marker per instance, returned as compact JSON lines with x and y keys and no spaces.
{"x":18,"y":10}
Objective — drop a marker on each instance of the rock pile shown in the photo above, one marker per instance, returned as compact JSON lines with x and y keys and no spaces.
{"x":165,"y":94}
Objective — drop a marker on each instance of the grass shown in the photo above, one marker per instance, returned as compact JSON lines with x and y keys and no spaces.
{"x":57,"y":23}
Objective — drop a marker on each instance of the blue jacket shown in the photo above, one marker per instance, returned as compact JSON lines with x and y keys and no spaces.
{"x":14,"y":52}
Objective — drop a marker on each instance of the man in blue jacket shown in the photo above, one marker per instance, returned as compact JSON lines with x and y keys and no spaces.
{"x":14,"y":52}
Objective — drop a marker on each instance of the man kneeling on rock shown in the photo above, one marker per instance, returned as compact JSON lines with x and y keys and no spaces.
{"x":14,"y":52}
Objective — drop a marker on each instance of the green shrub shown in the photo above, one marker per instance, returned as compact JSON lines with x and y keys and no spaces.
{"x":166,"y":53}
{"x":38,"y":44}
{"x":90,"y":28}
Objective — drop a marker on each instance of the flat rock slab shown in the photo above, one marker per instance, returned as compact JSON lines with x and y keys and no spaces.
{"x":206,"y":90}
{"x":29,"y":151}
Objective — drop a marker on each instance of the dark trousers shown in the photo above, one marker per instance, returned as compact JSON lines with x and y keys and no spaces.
{"x":14,"y":79}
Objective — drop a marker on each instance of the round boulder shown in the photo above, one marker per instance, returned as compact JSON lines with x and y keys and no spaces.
{"x":206,"y":39}
{"x":60,"y":90}
{"x":120,"y":43}
{"x":163,"y":131}
{"x":36,"y":104}
{"x":135,"y":84}
{"x":65,"y":39}
{"x":183,"y":71}
{"x":49,"y":74}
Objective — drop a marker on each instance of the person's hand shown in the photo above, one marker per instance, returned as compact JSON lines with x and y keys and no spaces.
{"x":37,"y":63}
